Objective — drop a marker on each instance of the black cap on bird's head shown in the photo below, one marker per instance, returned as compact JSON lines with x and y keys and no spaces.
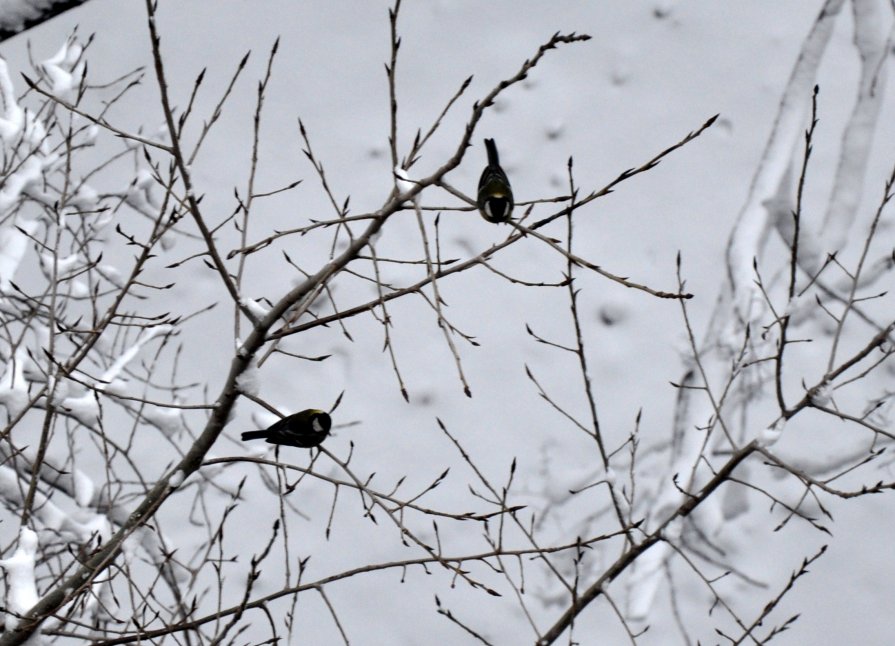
{"x":320,"y":420}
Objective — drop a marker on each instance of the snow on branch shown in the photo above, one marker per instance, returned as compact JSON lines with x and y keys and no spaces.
{"x":741,"y":302}
{"x":65,"y":69}
{"x":750,"y":230}
{"x":21,"y":591}
{"x":85,"y":407}
{"x":874,"y":45}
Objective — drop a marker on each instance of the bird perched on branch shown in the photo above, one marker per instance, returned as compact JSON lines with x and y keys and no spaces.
{"x":495,"y":199}
{"x":305,"y":430}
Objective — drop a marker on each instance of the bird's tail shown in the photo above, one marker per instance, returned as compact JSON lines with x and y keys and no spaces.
{"x":492,"y":152}
{"x":254,"y":435}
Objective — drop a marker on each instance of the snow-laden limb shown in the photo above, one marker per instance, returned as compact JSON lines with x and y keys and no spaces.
{"x":249,"y":381}
{"x":13,"y":386}
{"x":85,"y":407}
{"x":15,"y":183}
{"x":255,"y":307}
{"x":176,"y":479}
{"x":16,"y":123}
{"x":86,"y":198}
{"x":874,"y":44}
{"x":13,"y":118}
{"x":23,"y":138}
{"x":86,"y":526}
{"x":64,"y":266}
{"x":823,"y":395}
{"x":403,"y":183}
{"x":62,"y":354}
{"x":139,"y":193}
{"x":13,"y":244}
{"x":111,"y":374}
{"x":740,"y":304}
{"x":65,"y":69}
{"x":139,"y":197}
{"x":83,"y":487}
{"x":168,"y":420}
{"x":644,"y":582}
{"x":769,"y":436}
{"x":21,"y":591}
{"x":750,"y":231}
{"x":647,"y":575}
{"x":73,"y":482}
{"x":802,"y":308}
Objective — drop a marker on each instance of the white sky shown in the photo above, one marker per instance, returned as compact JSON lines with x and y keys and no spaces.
{"x":638,"y":86}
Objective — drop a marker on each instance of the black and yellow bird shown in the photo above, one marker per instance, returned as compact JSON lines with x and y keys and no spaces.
{"x":495,"y":200}
{"x":305,"y":430}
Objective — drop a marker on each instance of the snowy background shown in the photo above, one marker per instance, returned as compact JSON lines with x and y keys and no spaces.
{"x":653,"y":71}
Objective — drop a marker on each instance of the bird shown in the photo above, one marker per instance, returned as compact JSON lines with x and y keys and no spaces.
{"x":305,"y":430}
{"x":495,"y":200}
